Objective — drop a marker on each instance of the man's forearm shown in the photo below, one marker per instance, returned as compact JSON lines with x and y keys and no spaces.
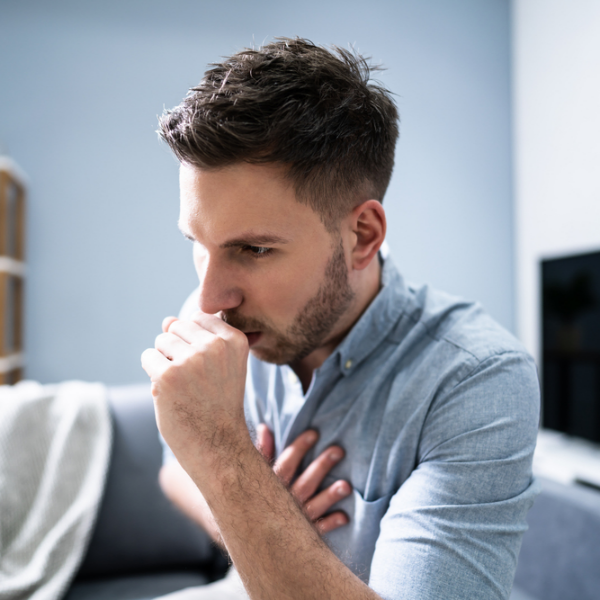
{"x":277,"y":551}
{"x":183,"y":492}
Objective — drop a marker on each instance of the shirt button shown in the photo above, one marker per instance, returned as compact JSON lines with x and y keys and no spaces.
{"x":348,"y":364}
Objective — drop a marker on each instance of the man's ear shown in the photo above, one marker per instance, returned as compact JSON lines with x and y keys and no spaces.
{"x":368,"y":225}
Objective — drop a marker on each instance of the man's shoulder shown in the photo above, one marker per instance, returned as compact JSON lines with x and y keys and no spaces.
{"x":452,"y":329}
{"x":466,"y":373}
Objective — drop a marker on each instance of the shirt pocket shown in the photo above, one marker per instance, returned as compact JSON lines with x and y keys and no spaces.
{"x":354,"y":544}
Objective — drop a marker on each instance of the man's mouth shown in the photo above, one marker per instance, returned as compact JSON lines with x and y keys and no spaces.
{"x":253,"y":337}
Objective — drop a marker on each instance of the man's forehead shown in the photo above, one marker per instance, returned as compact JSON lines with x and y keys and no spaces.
{"x":242,"y":205}
{"x":240,"y":173}
{"x":241,"y":189}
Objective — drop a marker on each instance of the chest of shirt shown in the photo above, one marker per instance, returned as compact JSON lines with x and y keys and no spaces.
{"x":375,"y":413}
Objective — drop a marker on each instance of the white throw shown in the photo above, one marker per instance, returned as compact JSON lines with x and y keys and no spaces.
{"x":55,"y":445}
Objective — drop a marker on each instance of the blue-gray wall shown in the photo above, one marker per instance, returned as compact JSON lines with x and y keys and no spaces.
{"x":81,"y":85}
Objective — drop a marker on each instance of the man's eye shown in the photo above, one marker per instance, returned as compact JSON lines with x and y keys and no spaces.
{"x":257,"y":250}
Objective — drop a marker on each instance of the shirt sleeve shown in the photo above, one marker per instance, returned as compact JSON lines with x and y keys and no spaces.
{"x":453,"y":530}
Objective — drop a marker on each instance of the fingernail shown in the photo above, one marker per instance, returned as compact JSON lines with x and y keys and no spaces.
{"x":310,"y":437}
{"x":340,"y":521}
{"x":342,"y":490}
{"x":335,"y":455}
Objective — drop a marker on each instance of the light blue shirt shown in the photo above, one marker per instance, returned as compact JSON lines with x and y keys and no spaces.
{"x":437,"y":408}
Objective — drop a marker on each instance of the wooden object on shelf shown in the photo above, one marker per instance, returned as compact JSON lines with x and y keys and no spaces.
{"x":12,"y":271}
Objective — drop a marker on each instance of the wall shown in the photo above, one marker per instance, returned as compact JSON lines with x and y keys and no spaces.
{"x":557,"y":140}
{"x":82,"y":84}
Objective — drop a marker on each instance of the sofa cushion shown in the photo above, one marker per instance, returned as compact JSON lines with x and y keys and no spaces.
{"x":138,"y":529}
{"x":518,"y":594}
{"x":136,"y":587}
{"x":561,"y":551}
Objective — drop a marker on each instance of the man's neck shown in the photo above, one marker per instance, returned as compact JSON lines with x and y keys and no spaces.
{"x":367,"y":288}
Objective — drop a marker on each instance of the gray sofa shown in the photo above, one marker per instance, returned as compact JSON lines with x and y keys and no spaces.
{"x":560,"y":555}
{"x":142,"y":547}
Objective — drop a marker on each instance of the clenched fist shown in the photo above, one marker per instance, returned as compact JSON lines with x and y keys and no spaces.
{"x":198,"y":374}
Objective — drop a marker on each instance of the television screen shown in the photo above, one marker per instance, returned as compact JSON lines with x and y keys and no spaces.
{"x":571,"y":345}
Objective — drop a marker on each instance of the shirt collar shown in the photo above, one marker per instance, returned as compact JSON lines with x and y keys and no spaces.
{"x":375,"y":323}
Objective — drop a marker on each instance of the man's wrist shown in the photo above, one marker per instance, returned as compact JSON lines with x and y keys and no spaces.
{"x":221,"y":459}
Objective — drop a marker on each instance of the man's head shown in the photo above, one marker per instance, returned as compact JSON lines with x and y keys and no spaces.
{"x":286,"y":154}
{"x":292,"y":103}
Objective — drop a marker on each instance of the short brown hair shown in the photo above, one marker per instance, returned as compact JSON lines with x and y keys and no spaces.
{"x":293,"y":103}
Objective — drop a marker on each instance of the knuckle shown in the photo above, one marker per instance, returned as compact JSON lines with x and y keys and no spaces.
{"x":325,"y":524}
{"x":199,"y":344}
{"x":168,"y":323}
{"x":302,"y":495}
{"x":239,"y":336}
{"x":239,"y":340}
{"x":293,"y":452}
{"x":161,"y":339}
{"x":287,"y":461}
{"x":213,"y":345}
{"x":282,"y":474}
{"x":284,"y":457}
{"x":220,"y":346}
{"x":146,"y":354}
{"x":174,"y":326}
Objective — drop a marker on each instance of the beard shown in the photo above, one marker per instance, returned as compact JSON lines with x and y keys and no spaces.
{"x":313,"y":323}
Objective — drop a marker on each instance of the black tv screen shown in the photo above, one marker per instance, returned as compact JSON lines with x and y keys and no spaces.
{"x":571,"y":345}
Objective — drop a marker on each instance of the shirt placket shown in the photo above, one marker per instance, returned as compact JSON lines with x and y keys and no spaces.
{"x":303,"y":407}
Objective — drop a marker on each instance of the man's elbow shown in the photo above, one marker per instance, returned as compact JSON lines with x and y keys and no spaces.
{"x":166,"y":481}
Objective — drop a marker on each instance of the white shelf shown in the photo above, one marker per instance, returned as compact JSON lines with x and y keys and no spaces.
{"x":566,"y":459}
{"x":10,"y":166}
{"x":12,"y":266}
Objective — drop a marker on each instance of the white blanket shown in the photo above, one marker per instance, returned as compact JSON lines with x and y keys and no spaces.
{"x":54,"y":452}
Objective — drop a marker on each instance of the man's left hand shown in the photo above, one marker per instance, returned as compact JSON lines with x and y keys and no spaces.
{"x":304,"y":487}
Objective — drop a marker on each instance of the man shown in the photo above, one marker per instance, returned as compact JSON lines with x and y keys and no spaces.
{"x":305,"y":327}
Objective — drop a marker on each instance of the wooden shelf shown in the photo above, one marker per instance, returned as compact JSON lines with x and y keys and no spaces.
{"x":12,"y":270}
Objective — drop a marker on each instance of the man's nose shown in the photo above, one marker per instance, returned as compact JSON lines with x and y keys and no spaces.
{"x":218,"y":287}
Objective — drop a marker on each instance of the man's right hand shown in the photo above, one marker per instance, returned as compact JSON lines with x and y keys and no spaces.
{"x":303,"y":488}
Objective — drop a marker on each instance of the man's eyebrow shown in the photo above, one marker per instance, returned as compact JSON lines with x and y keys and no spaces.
{"x":254,"y":239}
{"x":246,"y":239}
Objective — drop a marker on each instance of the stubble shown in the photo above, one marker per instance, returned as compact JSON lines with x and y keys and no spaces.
{"x":313,"y":324}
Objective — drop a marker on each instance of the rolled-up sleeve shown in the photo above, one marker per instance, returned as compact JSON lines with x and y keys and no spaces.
{"x":453,"y":530}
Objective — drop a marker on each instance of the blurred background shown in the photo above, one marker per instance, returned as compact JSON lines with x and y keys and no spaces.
{"x":496,"y":164}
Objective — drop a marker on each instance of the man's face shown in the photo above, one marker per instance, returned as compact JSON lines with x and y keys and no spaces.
{"x":265,"y":262}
